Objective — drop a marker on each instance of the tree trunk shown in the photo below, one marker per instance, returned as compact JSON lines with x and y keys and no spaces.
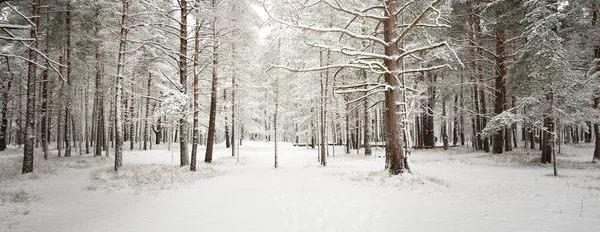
{"x":347,"y":130}
{"x":147,"y":114}
{"x":394,"y":149}
{"x":322,"y":117}
{"x":158,"y":132}
{"x":69,"y":87}
{"x":183,"y":127}
{"x":500,"y":93}
{"x":227,"y":141}
{"x":595,"y":20}
{"x":276,"y":164}
{"x":195,"y":123}
{"x":444,"y":126}
{"x":4,"y":119}
{"x":213,"y":95}
{"x":455,"y":128}
{"x":31,"y":82}
{"x":131,"y":116}
{"x":119,"y":87}
{"x":547,"y":134}
{"x":428,"y":118}
{"x":367,"y":120}
{"x":233,"y":89}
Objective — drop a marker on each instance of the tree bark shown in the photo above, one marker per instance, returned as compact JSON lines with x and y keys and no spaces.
{"x":195,"y":129}
{"x":322,"y":116}
{"x":428,"y":124}
{"x":69,"y":87}
{"x":233,"y":89}
{"x":131,"y":116}
{"x":213,"y":96}
{"x":31,"y":82}
{"x":367,"y":120}
{"x":147,"y":114}
{"x":444,"y":126}
{"x":183,"y":124}
{"x":595,"y":20}
{"x":4,"y":119}
{"x":118,"y":140}
{"x":500,"y":93}
{"x":394,"y":149}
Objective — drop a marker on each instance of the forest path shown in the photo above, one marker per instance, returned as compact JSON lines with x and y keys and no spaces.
{"x":450,"y":193}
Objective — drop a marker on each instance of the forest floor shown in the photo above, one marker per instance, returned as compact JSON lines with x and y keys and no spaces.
{"x":455,"y":190}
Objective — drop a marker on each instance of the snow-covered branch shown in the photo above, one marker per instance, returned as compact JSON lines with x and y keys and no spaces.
{"x":416,"y":21}
{"x":324,"y":29}
{"x":361,"y":14}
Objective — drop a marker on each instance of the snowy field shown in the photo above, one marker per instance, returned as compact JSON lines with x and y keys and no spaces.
{"x":454,"y":190}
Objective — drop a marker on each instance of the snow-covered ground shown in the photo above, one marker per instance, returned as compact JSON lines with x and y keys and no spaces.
{"x":454,"y":190}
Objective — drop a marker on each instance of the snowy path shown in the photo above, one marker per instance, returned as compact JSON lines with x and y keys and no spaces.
{"x":300,"y":196}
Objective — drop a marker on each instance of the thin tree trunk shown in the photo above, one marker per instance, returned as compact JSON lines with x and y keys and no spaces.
{"x":131,"y":117}
{"x":31,"y":82}
{"x":45,"y":126}
{"x":86,"y":112}
{"x":233,"y":89}
{"x":195,"y":125}
{"x":213,"y":96}
{"x":322,"y":116}
{"x":119,"y":87}
{"x":367,"y":125}
{"x":276,"y":164}
{"x":347,"y":130}
{"x":183,"y":127}
{"x":147,"y":114}
{"x":444,"y":125}
{"x":69,"y":87}
{"x":227,"y":141}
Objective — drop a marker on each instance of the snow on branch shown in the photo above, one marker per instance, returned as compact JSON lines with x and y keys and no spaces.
{"x":361,"y":14}
{"x":416,"y":21}
{"x":14,"y":26}
{"x":349,"y":51}
{"x":323,"y":29}
{"x":373,"y":87}
{"x":322,"y":68}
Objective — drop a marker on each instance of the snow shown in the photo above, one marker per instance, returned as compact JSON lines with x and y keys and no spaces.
{"x":456,"y":190}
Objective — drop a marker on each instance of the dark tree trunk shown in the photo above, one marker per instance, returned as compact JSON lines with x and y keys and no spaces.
{"x":4,"y":113}
{"x":69,"y":87}
{"x":322,"y":115}
{"x":131,"y":117}
{"x":367,"y":120}
{"x":547,"y":135}
{"x":147,"y":115}
{"x":595,"y":20}
{"x":183,"y":127}
{"x":587,"y":135}
{"x":227,"y":141}
{"x":213,"y":95}
{"x":348,"y":135}
{"x":444,"y":126}
{"x":31,"y":82}
{"x":428,"y":117}
{"x":500,"y":94}
{"x":158,"y":131}
{"x":456,"y":122}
